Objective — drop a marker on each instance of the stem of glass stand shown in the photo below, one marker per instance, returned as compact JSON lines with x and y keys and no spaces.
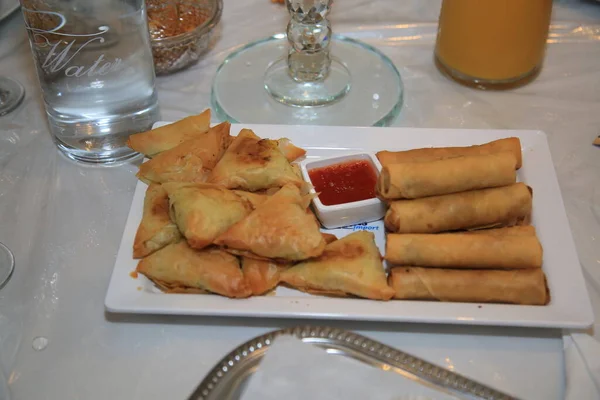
{"x":309,"y":35}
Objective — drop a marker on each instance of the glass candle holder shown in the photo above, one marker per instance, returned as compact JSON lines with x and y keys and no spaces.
{"x":308,"y":75}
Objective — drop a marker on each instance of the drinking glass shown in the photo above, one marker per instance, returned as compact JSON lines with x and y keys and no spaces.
{"x":492,"y":44}
{"x":11,"y":94}
{"x":96,"y":72}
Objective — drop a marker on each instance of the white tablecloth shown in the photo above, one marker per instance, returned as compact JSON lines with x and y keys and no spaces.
{"x":64,"y":222}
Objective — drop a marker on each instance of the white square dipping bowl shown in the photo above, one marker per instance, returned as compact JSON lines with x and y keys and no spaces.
{"x":356,"y":212}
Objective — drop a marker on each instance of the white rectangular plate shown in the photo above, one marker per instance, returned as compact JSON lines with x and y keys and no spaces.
{"x":569,"y":306}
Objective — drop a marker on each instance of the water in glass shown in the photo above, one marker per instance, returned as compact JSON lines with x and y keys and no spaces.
{"x":95,"y":68}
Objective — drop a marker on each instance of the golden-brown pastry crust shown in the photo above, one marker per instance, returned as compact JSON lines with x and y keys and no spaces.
{"x":521,"y":230}
{"x":190,"y":161}
{"x":480,"y":286}
{"x":261,"y":276}
{"x":464,"y":250}
{"x":255,"y":199}
{"x":281,"y":228}
{"x":156,"y":230}
{"x":253,"y":164}
{"x":451,"y":175}
{"x":512,"y":145}
{"x":493,"y":207}
{"x":179,"y":268}
{"x":291,"y":152}
{"x":329,"y":238}
{"x":204,"y":211}
{"x":157,"y":140}
{"x":350,"y":265}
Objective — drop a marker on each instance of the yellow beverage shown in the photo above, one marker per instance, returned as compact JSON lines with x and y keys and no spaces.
{"x":492,"y":41}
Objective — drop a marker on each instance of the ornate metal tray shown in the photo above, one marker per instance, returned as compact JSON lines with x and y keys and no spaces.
{"x":226,"y":381}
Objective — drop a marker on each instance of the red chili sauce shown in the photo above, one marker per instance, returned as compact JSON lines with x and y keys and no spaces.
{"x":345,"y":182}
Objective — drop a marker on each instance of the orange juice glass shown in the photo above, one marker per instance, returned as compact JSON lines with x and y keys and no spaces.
{"x":492,"y":43}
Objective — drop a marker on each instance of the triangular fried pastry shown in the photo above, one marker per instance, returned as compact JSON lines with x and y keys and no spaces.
{"x":190,"y":161}
{"x":177,"y":288}
{"x":156,"y":230}
{"x":261,"y":275}
{"x":157,"y":140}
{"x":329,"y":238}
{"x":288,"y":149}
{"x":255,"y":199}
{"x":348,"y":266}
{"x":204,"y":211}
{"x":253,"y":164}
{"x":281,"y":228}
{"x":179,"y":268}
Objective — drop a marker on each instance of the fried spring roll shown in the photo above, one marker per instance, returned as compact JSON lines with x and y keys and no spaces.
{"x":464,"y":250}
{"x":512,"y":145}
{"x":494,"y":207}
{"x":478,"y":286}
{"x":414,"y":180}
{"x":524,"y":230}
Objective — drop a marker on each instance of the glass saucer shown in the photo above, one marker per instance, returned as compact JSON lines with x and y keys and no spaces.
{"x":241,"y":91}
{"x":7,"y":264}
{"x":11,"y":95}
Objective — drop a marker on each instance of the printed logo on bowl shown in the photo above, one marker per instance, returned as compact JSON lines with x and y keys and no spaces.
{"x":373,"y":226}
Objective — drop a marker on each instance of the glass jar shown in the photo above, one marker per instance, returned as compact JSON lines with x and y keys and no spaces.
{"x":492,"y":44}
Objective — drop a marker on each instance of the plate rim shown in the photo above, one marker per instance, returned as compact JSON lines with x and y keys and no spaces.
{"x":341,"y":338}
{"x":554,"y":315}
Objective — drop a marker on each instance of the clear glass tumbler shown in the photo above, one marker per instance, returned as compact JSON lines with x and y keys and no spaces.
{"x":95,"y":68}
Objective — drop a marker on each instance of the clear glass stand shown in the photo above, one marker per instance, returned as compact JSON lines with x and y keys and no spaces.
{"x":283,"y":88}
{"x":7,"y":265}
{"x":308,"y":76}
{"x":11,"y":95}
